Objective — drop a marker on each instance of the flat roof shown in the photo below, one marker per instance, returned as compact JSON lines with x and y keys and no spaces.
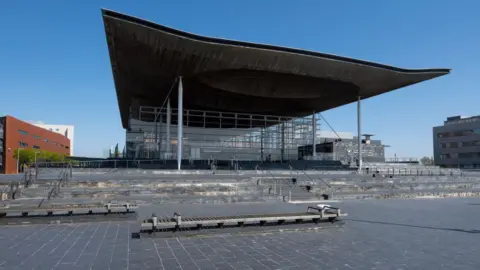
{"x":234,"y":76}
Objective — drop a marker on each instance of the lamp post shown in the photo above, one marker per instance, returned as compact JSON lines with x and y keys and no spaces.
{"x":18,"y":158}
{"x":38,"y":152}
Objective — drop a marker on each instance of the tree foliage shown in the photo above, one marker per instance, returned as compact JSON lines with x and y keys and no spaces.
{"x":28,"y":156}
{"x":427,"y":161}
{"x":116,"y":153}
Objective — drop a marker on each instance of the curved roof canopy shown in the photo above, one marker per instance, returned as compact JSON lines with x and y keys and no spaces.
{"x":233,"y":76}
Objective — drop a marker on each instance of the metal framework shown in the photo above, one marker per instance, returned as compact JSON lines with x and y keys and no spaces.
{"x":217,"y":135}
{"x":213,"y":135}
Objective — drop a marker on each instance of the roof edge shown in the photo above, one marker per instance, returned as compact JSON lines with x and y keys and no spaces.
{"x":146,"y":23}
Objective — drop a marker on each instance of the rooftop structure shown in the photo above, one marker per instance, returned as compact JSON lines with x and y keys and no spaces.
{"x":230,"y":84}
{"x":238,"y":76}
{"x":65,"y":130}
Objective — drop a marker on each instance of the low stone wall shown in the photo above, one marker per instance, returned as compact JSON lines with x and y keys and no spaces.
{"x":418,"y":195}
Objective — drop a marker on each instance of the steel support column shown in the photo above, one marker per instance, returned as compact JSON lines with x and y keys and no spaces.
{"x":261,"y":144}
{"x":169,"y":122}
{"x":180,"y":124}
{"x":282,"y":149}
{"x":314,"y":134}
{"x":359,"y":134}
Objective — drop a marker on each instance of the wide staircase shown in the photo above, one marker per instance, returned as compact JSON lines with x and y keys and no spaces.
{"x":296,"y":186}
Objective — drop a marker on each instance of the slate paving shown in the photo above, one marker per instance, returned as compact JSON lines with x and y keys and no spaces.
{"x":415,"y":234}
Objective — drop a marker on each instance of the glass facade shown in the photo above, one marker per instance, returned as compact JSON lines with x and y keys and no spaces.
{"x":217,"y":135}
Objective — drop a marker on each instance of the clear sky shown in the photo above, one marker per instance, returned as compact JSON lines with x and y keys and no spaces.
{"x":55,"y":67}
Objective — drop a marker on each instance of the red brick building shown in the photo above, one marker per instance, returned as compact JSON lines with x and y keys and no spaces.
{"x":15,"y":134}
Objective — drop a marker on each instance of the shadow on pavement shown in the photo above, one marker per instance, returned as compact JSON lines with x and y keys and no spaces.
{"x":414,"y":226}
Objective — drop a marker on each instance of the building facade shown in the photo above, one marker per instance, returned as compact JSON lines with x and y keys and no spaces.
{"x":16,"y":134}
{"x":344,"y":148}
{"x":66,"y":130}
{"x":456,"y":144}
{"x":216,"y":135}
{"x":230,"y":100}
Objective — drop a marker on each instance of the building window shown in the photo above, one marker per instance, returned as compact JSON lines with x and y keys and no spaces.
{"x":470,"y":143}
{"x":36,"y":137}
{"x":465,"y":155}
{"x":443,"y":145}
{"x":36,"y":147}
{"x":467,"y":132}
{"x":452,"y":145}
{"x":22,"y":144}
{"x":23,"y":132}
{"x":46,"y":140}
{"x":443,"y":135}
{"x":459,"y":133}
{"x":57,"y":130}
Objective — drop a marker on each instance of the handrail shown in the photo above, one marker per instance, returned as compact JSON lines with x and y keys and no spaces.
{"x":325,"y":182}
{"x":363,"y":161}
{"x":274,"y":178}
{"x":295,"y":171}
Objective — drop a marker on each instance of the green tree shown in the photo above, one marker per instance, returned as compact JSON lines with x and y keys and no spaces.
{"x":427,"y":161}
{"x":116,"y":153}
{"x":55,"y":157}
{"x":24,"y":155}
{"x":28,"y":156}
{"x":44,"y":155}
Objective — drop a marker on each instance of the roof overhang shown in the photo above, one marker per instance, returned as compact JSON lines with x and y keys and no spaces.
{"x":233,"y":76}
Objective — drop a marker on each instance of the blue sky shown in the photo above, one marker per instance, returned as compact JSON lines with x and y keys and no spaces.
{"x":55,"y":67}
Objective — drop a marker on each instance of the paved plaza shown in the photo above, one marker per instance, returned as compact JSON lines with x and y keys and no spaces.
{"x":393,"y":234}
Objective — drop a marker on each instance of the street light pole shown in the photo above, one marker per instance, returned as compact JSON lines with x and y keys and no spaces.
{"x":38,"y":152}
{"x":18,"y":158}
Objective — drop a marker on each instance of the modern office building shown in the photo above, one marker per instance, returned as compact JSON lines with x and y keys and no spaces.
{"x":16,"y":134}
{"x":186,"y":98}
{"x":66,"y":130}
{"x":346,"y":149}
{"x":456,"y":144}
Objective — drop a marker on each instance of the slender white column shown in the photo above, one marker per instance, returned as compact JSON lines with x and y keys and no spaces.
{"x":314,"y":133}
{"x":169,"y":122}
{"x":180,"y":124}
{"x":282,"y":150}
{"x":359,"y":135}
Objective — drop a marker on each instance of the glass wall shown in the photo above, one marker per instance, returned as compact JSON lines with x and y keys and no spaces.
{"x":217,"y":135}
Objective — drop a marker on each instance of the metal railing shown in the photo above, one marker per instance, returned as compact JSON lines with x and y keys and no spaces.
{"x":415,"y":171}
{"x":276,"y":181}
